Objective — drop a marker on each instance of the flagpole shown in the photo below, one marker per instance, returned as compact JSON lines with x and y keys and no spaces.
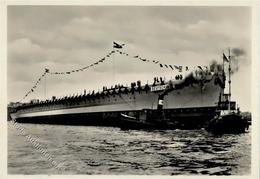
{"x":223,"y":75}
{"x":223,"y":65}
{"x":229,"y":77}
{"x":45,"y":86}
{"x":113,"y":65}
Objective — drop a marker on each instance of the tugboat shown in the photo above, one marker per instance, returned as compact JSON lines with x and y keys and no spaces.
{"x":148,"y":118}
{"x":228,"y":119}
{"x":230,"y":122}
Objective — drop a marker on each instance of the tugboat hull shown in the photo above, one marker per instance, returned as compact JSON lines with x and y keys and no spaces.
{"x":230,"y":123}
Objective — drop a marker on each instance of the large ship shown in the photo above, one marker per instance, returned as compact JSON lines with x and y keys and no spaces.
{"x":186,"y":102}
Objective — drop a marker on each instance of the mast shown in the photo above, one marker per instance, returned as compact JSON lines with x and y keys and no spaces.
{"x":114,"y":73}
{"x":223,"y":66}
{"x":229,"y":79}
{"x":45,"y":87}
{"x":223,"y":78}
{"x":45,"y":79}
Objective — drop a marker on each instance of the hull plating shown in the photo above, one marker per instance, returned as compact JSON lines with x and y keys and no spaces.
{"x":193,"y":95}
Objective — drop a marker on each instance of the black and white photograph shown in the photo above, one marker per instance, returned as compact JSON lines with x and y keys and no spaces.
{"x":129,"y":90}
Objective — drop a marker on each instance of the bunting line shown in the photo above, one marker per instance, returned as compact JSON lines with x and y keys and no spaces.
{"x":179,"y":68}
{"x":35,"y":84}
{"x":47,"y":71}
{"x":117,"y":46}
{"x":86,"y":67}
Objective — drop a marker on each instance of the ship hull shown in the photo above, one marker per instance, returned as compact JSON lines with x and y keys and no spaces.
{"x":183,"y":118}
{"x":188,"y":105}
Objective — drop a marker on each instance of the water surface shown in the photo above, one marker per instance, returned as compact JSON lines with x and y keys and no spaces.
{"x":105,"y":150}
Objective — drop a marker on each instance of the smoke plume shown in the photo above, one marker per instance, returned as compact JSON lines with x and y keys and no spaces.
{"x":215,"y":66}
{"x":238,"y":52}
{"x":237,"y":55}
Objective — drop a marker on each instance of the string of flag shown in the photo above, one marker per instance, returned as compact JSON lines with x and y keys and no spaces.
{"x":47,"y":71}
{"x":86,"y":67}
{"x":101,"y":60}
{"x":35,"y":84}
{"x":179,"y":68}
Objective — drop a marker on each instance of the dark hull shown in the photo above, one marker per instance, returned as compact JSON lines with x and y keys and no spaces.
{"x":230,"y":123}
{"x":182,"y":118}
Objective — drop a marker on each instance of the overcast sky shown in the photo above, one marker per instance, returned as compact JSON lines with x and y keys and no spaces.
{"x":69,"y":37}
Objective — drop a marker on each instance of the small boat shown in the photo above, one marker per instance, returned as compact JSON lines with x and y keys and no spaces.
{"x":131,"y":122}
{"x":231,"y":123}
{"x":228,"y":118}
{"x":145,"y":119}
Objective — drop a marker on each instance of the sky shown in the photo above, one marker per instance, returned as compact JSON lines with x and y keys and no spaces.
{"x":63,"y":38}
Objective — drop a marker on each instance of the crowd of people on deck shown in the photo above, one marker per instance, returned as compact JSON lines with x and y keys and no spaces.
{"x":117,"y":89}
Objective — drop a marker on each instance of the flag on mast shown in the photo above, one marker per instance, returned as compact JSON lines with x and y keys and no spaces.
{"x":116,"y":45}
{"x":225,"y":58}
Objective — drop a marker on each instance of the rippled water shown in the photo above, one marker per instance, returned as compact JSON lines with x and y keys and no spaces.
{"x":104,"y":150}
